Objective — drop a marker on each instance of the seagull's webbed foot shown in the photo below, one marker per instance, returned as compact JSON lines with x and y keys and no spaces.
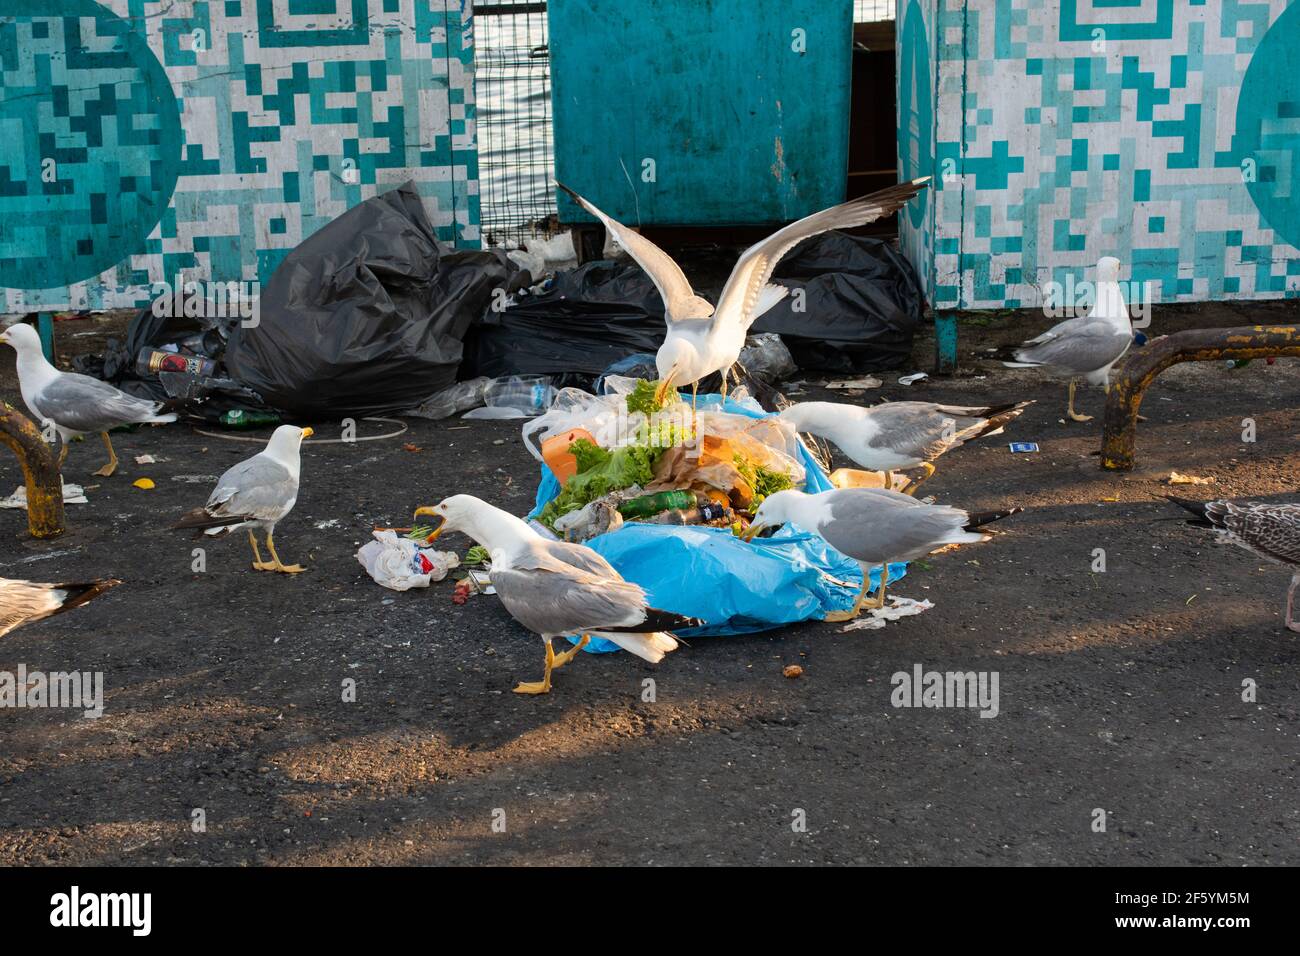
{"x":275,"y":564}
{"x":542,"y":686}
{"x":63,"y":453}
{"x":917,"y":482}
{"x":1069,"y":407}
{"x":111,"y":467}
{"x":564,"y":658}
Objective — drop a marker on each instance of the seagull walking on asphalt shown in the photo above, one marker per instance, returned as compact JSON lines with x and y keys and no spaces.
{"x":22,"y":602}
{"x":701,"y":339}
{"x":874,"y":526}
{"x":1087,"y":347}
{"x":1270,"y":531}
{"x":256,"y":493}
{"x":76,"y":404}
{"x":899,"y":435}
{"x":556,"y":588}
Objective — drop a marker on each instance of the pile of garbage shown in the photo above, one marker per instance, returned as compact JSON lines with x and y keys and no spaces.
{"x":665,"y":494}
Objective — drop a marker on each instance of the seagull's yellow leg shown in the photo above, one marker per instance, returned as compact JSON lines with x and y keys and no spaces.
{"x":889,"y":481}
{"x":258,"y":563}
{"x":63,"y":453}
{"x":1075,"y":416}
{"x":112,"y":457}
{"x":725,"y":373}
{"x":542,"y":686}
{"x":695,"y":387}
{"x":275,"y":564}
{"x":880,"y":595}
{"x":854,"y":611}
{"x":917,"y":482}
{"x":562,"y":659}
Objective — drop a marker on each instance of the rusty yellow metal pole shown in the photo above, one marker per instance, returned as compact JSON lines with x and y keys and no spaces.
{"x":1141,"y":366}
{"x":40,"y":471}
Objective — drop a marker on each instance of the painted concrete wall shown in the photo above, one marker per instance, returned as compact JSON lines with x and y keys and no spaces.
{"x":1163,"y":132}
{"x":142,"y":138}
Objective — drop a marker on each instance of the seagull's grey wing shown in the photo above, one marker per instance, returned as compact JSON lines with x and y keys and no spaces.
{"x":1082,"y":348}
{"x":743,"y":298}
{"x":881,"y":525}
{"x":86,"y":404}
{"x":558,"y":599}
{"x":680,"y":300}
{"x":1272,"y":531}
{"x":917,"y":429}
{"x":580,"y":557}
{"x":256,"y":488}
{"x":23,"y":601}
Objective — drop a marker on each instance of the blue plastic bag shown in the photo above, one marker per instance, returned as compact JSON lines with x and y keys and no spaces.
{"x":735,"y":586}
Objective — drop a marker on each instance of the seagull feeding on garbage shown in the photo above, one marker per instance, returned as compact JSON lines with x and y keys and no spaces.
{"x":22,"y":602}
{"x":701,"y":339}
{"x":556,"y":588}
{"x":1086,"y":347}
{"x":1270,"y":531}
{"x":897,"y":435}
{"x":256,"y":493}
{"x":874,"y":526}
{"x":76,"y":404}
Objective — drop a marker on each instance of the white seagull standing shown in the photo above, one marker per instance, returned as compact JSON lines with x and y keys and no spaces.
{"x":76,"y":404}
{"x":700,"y":339}
{"x":256,"y":493}
{"x":1086,"y":347}
{"x":555,"y":588}
{"x":874,"y":526}
{"x":898,"y":435}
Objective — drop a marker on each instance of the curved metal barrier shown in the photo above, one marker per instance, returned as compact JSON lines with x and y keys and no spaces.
{"x":1140,"y":367}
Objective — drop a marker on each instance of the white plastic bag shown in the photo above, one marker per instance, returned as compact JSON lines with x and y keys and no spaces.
{"x":400,"y":564}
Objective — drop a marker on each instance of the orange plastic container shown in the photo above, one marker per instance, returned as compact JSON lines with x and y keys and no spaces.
{"x":556,"y":454}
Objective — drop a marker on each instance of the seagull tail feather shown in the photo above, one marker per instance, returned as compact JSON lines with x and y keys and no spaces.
{"x":83,"y":592}
{"x":975,"y":520}
{"x":1198,"y":508}
{"x":999,"y":415}
{"x":651,"y":647}
{"x":199,"y":519}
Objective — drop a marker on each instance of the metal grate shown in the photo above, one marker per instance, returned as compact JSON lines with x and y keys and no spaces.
{"x":870,"y":11}
{"x":512,"y":91}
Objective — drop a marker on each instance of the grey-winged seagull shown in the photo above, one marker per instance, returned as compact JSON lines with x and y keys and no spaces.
{"x":897,"y":435}
{"x":874,"y":526}
{"x":76,"y":404}
{"x":701,"y":339}
{"x":1087,"y":347}
{"x":555,"y":588}
{"x":1271,"y":531}
{"x":256,"y":493}
{"x":22,"y":602}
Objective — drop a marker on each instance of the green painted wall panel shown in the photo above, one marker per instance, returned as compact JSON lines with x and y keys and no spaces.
{"x":701,"y":112}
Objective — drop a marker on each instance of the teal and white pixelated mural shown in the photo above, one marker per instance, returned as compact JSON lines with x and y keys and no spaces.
{"x":1163,"y":132}
{"x":142,"y":139}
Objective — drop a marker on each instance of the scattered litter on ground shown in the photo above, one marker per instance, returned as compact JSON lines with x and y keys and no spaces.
{"x":327,"y":524}
{"x":148,"y":460}
{"x":400,"y":564}
{"x":865,"y":382}
{"x":195,"y":479}
{"x":878,"y":616}
{"x":792,"y":670}
{"x":1176,"y":479}
{"x":145,"y":484}
{"x":1023,"y":447}
{"x":914,"y":377}
{"x":72,"y":495}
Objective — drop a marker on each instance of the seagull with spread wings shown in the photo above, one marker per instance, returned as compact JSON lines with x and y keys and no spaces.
{"x":702,"y":339}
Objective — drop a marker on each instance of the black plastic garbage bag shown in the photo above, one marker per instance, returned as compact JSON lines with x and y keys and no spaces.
{"x":590,"y":318}
{"x":367,"y":315}
{"x":862,"y":304}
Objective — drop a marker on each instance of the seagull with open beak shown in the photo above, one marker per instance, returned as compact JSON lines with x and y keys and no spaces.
{"x":556,"y":588}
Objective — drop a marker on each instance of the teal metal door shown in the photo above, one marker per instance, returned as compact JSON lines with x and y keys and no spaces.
{"x":701,"y":112}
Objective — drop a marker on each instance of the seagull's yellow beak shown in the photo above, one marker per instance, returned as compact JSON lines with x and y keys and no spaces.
{"x":431,"y":510}
{"x":308,"y":432}
{"x":665,"y":385}
{"x":752,"y":531}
